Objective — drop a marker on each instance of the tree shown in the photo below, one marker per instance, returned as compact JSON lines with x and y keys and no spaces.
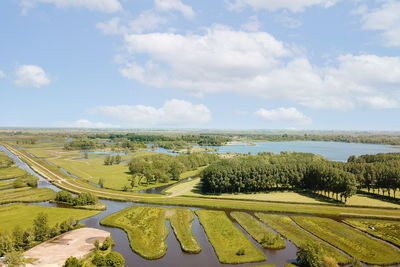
{"x":309,"y":255}
{"x":99,"y":260}
{"x":107,"y":243}
{"x":86,"y":154}
{"x":108,"y":160}
{"x":41,"y":228}
{"x":117,"y":159}
{"x":115,"y":259}
{"x":175,"y":169}
{"x":72,"y":262}
{"x":96,"y":245}
{"x":14,"y":258}
{"x":18,"y":237}
{"x":6,"y":244}
{"x":101,"y":182}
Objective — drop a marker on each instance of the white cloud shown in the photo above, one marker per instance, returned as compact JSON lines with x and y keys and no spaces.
{"x":385,"y":19}
{"x":83,"y":123}
{"x":146,"y":21}
{"x":255,"y":63}
{"x":167,"y":5}
{"x":2,"y":74}
{"x":31,"y":76}
{"x":377,"y":102}
{"x":252,"y":25}
{"x":108,"y":6}
{"x":272,"y":5}
{"x":173,"y":113}
{"x":284,"y":115}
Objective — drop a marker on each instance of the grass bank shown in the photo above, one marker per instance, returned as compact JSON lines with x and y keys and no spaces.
{"x":230,"y":244}
{"x":259,"y":231}
{"x":145,"y":227}
{"x":353,"y":242}
{"x":11,"y":172}
{"x":181,"y":223}
{"x":386,"y":230}
{"x":28,"y":196}
{"x":24,"y":214}
{"x":287,"y":228}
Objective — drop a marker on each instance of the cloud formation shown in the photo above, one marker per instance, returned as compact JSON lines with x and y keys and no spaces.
{"x":173,"y":113}
{"x":255,"y":63}
{"x":2,"y":74}
{"x":385,"y":19}
{"x":272,"y":5}
{"x":107,"y":6}
{"x":167,"y":5}
{"x":31,"y":76}
{"x":284,"y":115}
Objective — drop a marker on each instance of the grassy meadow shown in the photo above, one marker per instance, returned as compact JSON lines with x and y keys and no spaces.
{"x":145,"y":227}
{"x":230,"y":244}
{"x":287,"y":228}
{"x":24,"y":214}
{"x":355,"y":243}
{"x":181,"y":223}
{"x":27,"y":195}
{"x":259,"y":231}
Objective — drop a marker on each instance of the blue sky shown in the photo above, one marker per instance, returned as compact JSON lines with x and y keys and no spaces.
{"x":237,"y":64}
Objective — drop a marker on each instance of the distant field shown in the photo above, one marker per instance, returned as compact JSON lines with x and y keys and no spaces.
{"x":355,"y":243}
{"x":230,"y":244}
{"x":23,"y":215}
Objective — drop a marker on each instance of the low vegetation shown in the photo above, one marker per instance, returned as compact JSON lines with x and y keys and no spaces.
{"x":181,"y":223}
{"x":145,"y":227}
{"x":230,"y":244}
{"x":259,"y":231}
{"x":386,"y":230}
{"x":11,"y":172}
{"x":27,"y":196}
{"x":353,"y":242}
{"x":287,"y":228}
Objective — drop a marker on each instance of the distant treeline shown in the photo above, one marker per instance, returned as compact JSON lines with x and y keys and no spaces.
{"x":303,"y":171}
{"x":373,"y":139}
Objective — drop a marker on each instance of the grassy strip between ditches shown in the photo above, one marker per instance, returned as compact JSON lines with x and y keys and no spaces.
{"x":286,"y":227}
{"x":357,"y":244}
{"x":24,"y":214}
{"x":259,"y":231}
{"x":386,"y":230}
{"x":230,"y":244}
{"x":181,"y":223}
{"x":145,"y":227}
{"x":11,"y":172}
{"x":28,"y":196}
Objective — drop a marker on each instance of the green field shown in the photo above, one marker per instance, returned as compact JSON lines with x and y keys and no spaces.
{"x":29,"y":195}
{"x":145,"y":227}
{"x":181,"y":223}
{"x":287,"y":228}
{"x":386,"y":230}
{"x":258,"y":231}
{"x":11,"y":172}
{"x":230,"y":244}
{"x":24,"y":214}
{"x":353,"y":242}
{"x":6,"y":184}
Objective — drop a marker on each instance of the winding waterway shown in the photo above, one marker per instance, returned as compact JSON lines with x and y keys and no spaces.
{"x":174,"y":255}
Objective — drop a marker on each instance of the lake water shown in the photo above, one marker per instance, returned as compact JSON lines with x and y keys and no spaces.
{"x":336,"y":151}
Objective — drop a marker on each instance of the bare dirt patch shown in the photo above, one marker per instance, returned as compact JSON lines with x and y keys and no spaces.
{"x":77,"y":243}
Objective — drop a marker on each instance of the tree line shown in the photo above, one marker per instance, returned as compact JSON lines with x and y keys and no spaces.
{"x":82,"y":199}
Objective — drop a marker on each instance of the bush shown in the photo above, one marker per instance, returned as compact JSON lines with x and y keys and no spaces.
{"x":72,"y":262}
{"x":329,"y":262}
{"x":108,"y":242}
{"x":310,"y":255}
{"x":99,"y":260}
{"x":240,"y":252}
{"x":64,"y":196}
{"x":115,"y":259}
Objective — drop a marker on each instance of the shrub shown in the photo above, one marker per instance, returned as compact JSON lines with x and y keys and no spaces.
{"x":115,"y":259}
{"x":310,"y":255}
{"x":108,"y":242}
{"x":72,"y":262}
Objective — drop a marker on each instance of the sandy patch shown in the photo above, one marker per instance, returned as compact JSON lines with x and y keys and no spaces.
{"x":77,"y":243}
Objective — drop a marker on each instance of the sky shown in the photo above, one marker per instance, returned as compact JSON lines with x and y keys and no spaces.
{"x":210,"y":64}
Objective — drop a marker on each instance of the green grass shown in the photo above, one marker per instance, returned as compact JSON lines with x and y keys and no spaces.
{"x":145,"y":227}
{"x":259,"y":231}
{"x":264,"y":265}
{"x":31,"y":195}
{"x":181,"y":223}
{"x":23,"y":215}
{"x":287,"y":228}
{"x":11,"y":172}
{"x":386,"y":230}
{"x":353,"y":242}
{"x":6,"y":184}
{"x":228,"y":241}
